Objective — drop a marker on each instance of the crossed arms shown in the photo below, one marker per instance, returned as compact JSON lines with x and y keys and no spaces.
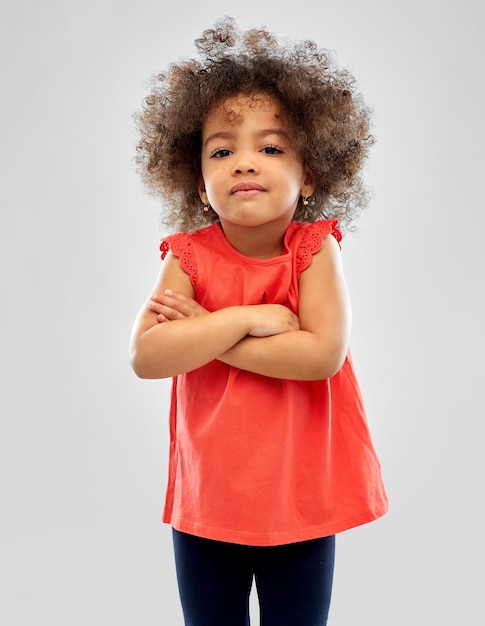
{"x":173,"y":334}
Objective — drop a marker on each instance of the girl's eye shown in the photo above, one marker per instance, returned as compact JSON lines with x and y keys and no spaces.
{"x":221,"y":153}
{"x":272,"y":150}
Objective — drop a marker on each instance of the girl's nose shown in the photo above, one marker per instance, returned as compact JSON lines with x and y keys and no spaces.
{"x":243,"y":170}
{"x":245,"y":164}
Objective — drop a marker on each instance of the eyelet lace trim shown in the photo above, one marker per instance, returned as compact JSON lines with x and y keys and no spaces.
{"x":182,"y":247}
{"x":312,"y":241}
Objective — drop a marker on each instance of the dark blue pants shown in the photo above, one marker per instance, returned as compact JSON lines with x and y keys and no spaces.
{"x":294,"y":581}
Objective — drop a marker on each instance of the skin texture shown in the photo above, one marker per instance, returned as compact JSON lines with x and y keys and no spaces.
{"x":250,"y":174}
{"x":248,"y":144}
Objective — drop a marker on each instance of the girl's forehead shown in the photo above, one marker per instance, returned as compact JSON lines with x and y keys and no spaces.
{"x":233,"y":109}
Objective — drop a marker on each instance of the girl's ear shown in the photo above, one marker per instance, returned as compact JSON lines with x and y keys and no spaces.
{"x":308,"y":186}
{"x":202,"y":192}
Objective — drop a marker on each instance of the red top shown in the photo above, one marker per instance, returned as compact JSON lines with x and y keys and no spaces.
{"x":258,"y":460}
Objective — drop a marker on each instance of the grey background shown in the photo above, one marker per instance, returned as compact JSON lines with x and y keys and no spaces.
{"x":83,"y":442}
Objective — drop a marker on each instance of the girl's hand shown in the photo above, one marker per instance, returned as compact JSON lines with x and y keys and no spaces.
{"x":174,"y":306}
{"x":271,"y":319}
{"x":264,"y":319}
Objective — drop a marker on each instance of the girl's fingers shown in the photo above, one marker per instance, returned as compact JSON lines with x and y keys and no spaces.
{"x":165,"y":313}
{"x":187,"y":307}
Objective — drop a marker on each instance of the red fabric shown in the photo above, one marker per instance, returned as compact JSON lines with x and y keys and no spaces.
{"x":258,"y":460}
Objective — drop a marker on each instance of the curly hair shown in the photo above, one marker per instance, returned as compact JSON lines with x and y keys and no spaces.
{"x":319,"y":100}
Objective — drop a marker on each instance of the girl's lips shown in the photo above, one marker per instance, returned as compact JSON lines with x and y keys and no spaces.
{"x":246,"y":189}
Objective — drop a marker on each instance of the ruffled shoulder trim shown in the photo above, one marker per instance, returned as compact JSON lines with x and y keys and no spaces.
{"x":181,"y":246}
{"x":312,"y":240}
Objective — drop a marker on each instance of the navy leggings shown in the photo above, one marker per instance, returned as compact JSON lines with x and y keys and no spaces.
{"x":294,"y":581}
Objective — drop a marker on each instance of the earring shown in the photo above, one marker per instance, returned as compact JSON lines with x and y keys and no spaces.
{"x":305,"y":200}
{"x":207,"y":208}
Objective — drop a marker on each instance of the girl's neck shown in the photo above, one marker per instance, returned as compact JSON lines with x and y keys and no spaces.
{"x":261,"y":242}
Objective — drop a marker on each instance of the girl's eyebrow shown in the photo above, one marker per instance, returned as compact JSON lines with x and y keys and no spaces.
{"x":260,"y":134}
{"x":219,"y":135}
{"x":274,"y":131}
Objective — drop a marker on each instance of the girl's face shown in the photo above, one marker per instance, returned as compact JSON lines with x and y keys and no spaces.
{"x":251,"y":175}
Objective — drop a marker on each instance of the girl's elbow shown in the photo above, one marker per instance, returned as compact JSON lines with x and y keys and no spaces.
{"x":148,"y":373}
{"x":144,"y":368}
{"x":330,"y":364}
{"x":335,"y":365}
{"x":139,"y":367}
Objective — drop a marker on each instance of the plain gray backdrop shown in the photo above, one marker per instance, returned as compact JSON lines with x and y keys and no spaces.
{"x":83,"y":442}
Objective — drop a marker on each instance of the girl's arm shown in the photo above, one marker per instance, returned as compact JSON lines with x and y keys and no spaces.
{"x":314,"y":351}
{"x":161,"y":350}
{"x":318,"y":349}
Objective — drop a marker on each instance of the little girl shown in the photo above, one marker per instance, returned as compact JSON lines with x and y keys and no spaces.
{"x":257,"y":150}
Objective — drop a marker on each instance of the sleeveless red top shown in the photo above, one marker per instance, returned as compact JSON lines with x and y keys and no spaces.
{"x":257,"y":460}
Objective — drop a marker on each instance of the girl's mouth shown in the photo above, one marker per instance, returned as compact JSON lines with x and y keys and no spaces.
{"x":246,"y":189}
